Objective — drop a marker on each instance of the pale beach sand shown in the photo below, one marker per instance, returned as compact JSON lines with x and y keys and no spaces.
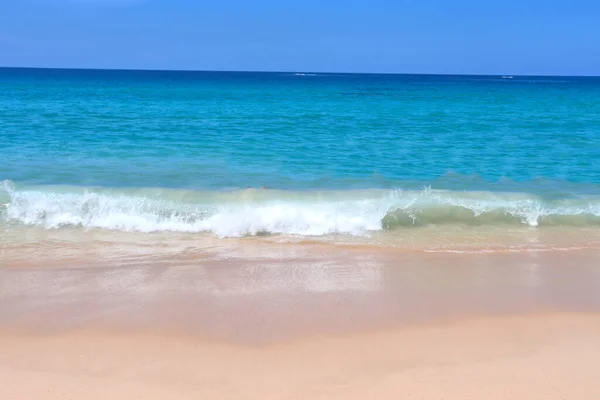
{"x":551,"y":356}
{"x":304,"y":322}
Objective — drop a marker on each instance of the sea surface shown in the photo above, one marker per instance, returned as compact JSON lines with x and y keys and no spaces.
{"x":196,"y":159}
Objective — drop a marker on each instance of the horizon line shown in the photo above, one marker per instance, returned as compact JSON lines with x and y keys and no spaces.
{"x":294,"y":72}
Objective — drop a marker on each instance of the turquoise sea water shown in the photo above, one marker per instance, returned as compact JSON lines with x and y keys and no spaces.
{"x":238,"y":154}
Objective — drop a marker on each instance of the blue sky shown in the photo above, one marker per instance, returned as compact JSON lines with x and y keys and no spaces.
{"x":420,"y":36}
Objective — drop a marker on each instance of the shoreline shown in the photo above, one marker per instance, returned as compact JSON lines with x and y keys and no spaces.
{"x":35,"y":247}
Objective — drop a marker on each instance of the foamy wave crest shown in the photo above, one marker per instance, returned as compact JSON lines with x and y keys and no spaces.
{"x":255,"y":212}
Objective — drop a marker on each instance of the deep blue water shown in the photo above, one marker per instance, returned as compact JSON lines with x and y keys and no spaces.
{"x":231,"y":130}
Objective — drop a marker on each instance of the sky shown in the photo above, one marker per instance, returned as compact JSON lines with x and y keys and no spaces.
{"x":517,"y":37}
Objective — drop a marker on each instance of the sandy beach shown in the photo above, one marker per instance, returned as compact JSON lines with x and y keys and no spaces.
{"x":304,"y":322}
{"x":550,"y":356}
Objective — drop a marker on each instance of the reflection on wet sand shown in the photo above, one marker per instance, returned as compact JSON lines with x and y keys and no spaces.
{"x":266,"y":292}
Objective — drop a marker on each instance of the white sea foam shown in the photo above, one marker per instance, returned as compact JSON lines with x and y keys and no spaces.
{"x":255,"y":212}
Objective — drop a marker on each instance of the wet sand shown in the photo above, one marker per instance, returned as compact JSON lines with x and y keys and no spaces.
{"x":304,"y":321}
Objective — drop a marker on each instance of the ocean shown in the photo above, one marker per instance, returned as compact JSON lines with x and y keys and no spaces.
{"x":175,"y":161}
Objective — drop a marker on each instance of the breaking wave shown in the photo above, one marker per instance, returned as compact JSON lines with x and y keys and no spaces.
{"x":265,"y":211}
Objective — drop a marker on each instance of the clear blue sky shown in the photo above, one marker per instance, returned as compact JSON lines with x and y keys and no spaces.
{"x":418,"y":36}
